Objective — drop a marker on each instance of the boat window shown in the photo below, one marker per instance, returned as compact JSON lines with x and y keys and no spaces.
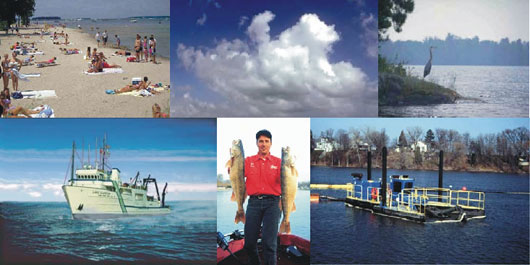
{"x":397,"y":187}
{"x":408,"y":185}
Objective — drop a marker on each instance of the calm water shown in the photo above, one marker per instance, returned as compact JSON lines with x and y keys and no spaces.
{"x":226,"y":211}
{"x":340,"y":234}
{"x":493,"y":91}
{"x":127,"y":31}
{"x":45,"y":232}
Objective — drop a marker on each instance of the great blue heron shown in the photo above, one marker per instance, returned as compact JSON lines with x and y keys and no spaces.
{"x":427,"y":69}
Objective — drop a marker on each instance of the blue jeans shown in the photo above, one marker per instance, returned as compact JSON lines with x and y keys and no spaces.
{"x":266,"y":211}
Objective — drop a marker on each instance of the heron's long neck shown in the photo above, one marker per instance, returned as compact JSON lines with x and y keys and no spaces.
{"x":430,"y":51}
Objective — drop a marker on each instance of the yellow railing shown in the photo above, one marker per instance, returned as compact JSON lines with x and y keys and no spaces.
{"x":470,"y":199}
{"x":448,"y":197}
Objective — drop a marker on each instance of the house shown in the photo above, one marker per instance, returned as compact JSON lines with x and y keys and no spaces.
{"x":421,"y":145}
{"x":325,"y":145}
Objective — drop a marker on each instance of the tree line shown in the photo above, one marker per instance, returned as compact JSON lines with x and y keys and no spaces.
{"x":454,"y":50}
{"x":496,"y":152}
{"x":11,"y":9}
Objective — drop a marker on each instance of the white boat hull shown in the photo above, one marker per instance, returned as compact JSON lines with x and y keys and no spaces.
{"x":90,"y":202}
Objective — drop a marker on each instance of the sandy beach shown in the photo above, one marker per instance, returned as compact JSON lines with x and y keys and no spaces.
{"x":78,"y":94}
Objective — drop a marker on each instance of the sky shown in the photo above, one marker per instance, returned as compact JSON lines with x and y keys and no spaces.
{"x":292,"y":132}
{"x":274,"y":58}
{"x":101,"y":8}
{"x":393,"y":126}
{"x":35,"y":154}
{"x":487,"y":19}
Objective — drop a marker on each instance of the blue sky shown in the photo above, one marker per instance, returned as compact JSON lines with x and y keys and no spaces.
{"x":101,"y":8}
{"x":228,"y":53}
{"x":35,"y":154}
{"x":393,"y":126}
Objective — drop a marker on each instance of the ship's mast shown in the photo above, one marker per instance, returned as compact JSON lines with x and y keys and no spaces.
{"x":104,"y":151}
{"x":73,"y":152}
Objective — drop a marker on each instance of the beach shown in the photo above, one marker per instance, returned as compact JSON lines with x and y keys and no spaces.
{"x":78,"y":94}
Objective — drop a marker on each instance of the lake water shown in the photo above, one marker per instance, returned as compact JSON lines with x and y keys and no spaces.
{"x":44,"y":232}
{"x":128,"y":30}
{"x":490,"y":91}
{"x":341,"y":234}
{"x":226,"y":211}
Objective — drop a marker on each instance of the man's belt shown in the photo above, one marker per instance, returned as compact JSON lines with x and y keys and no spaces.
{"x":264,"y":196}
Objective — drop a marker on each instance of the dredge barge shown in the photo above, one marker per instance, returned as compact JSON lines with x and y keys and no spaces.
{"x":397,"y":196}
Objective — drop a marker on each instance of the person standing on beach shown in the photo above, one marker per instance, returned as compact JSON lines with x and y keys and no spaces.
{"x":138,"y":47}
{"x":146,"y":50}
{"x":98,"y":38}
{"x":152,"y":45}
{"x":105,"y":38}
{"x":5,"y":67}
{"x":117,"y":40}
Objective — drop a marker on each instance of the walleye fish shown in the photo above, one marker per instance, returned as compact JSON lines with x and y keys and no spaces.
{"x":289,"y":179}
{"x":236,"y":169}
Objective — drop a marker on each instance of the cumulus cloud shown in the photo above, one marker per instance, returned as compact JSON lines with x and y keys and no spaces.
{"x":286,"y":75}
{"x":369,"y":35}
{"x":202,"y":19}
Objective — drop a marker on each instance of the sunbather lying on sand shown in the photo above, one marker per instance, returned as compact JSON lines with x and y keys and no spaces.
{"x":157,"y":112}
{"x":142,"y":85}
{"x":7,"y":111}
{"x":122,"y":53}
{"x":47,"y":63}
{"x":69,"y":51}
{"x":29,"y":60}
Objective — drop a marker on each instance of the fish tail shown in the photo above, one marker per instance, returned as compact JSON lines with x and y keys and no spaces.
{"x":285,"y":227}
{"x":240,"y":217}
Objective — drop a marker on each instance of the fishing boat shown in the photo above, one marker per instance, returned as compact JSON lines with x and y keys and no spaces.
{"x":96,"y":191}
{"x":398,"y":196}
{"x":292,"y":249}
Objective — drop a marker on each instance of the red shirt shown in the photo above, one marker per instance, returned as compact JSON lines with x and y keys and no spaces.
{"x":263,"y":175}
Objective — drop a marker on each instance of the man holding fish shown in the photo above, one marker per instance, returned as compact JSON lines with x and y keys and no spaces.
{"x":266,"y":178}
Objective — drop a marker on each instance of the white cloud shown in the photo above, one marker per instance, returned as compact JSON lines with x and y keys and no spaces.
{"x":369,"y":35}
{"x":287,"y":75}
{"x":202,"y":20}
{"x":242,"y":21}
{"x":9,"y":186}
{"x":35,"y":194}
{"x":191,"y":187}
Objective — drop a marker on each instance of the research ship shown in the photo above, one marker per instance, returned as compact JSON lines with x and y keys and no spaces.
{"x":96,"y":191}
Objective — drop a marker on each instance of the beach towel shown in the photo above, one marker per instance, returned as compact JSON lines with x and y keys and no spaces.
{"x":35,"y":53}
{"x":19,"y":75}
{"x":45,"y":112}
{"x":107,"y":71}
{"x":38,"y":94}
{"x":142,"y":93}
{"x":31,"y":75}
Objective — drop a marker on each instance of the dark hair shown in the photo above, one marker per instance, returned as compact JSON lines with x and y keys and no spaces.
{"x":264,"y":133}
{"x":1,"y":110}
{"x":145,"y":79}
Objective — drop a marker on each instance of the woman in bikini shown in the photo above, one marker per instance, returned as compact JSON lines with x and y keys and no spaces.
{"x":138,"y":47}
{"x":5,"y":68}
{"x":142,"y":85}
{"x":14,"y":65}
{"x":9,"y":111}
{"x":146,"y":50}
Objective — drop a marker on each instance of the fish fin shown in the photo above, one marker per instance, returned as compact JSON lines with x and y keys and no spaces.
{"x":240,"y":217}
{"x":294,"y":207}
{"x":228,"y":165}
{"x":233,"y":197}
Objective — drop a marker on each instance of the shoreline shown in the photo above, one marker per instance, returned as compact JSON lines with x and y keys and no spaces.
{"x":434,"y":170}
{"x":78,"y":94}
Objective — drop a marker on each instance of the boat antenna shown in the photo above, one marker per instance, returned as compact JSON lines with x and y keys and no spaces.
{"x":104,"y":150}
{"x":83,"y":152}
{"x":96,"y":153}
{"x":73,"y":152}
{"x":89,"y":154}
